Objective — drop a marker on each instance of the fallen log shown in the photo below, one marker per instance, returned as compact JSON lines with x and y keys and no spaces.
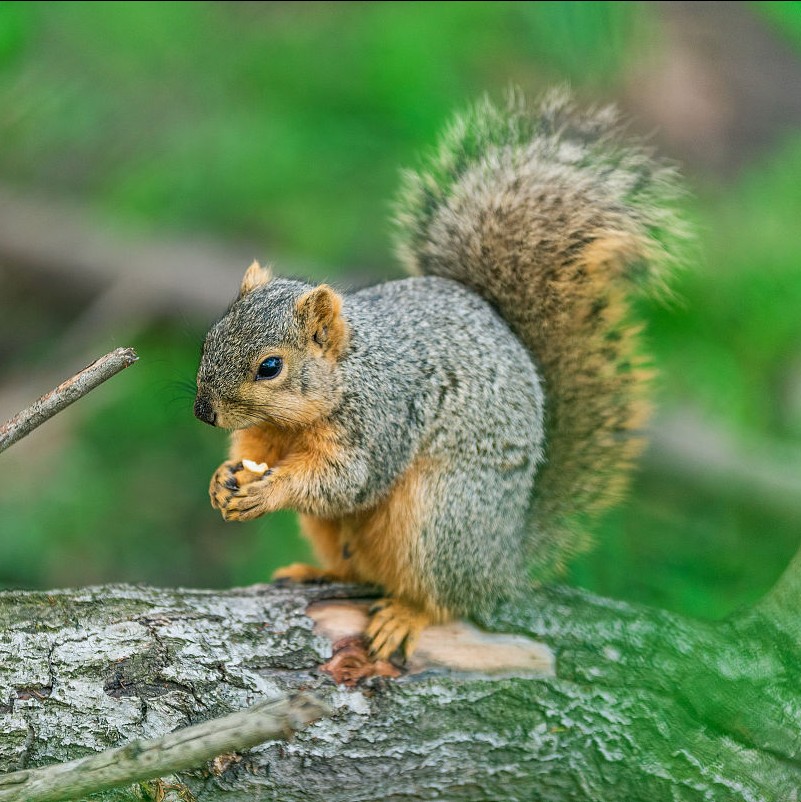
{"x":572,"y":697}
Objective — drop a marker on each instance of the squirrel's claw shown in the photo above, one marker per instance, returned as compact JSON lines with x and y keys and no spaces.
{"x":224,"y":483}
{"x":394,"y":625}
{"x":245,"y":503}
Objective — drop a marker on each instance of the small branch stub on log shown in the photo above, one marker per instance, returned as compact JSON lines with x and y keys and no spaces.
{"x":62,"y":396}
{"x":143,"y":760}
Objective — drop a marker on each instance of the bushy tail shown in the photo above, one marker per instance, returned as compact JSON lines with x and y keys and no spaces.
{"x":546,"y":215}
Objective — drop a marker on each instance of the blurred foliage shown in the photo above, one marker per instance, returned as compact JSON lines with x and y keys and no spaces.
{"x":737,"y":330}
{"x":786,"y":14}
{"x":285,"y":124}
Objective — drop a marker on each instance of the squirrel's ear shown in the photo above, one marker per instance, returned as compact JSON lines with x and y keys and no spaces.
{"x":255,"y":276}
{"x":319,"y":311}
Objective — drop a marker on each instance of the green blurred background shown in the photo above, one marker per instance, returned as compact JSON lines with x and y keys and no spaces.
{"x":224,"y":131}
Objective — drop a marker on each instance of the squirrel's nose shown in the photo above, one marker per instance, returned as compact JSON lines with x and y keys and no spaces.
{"x":204,"y":411}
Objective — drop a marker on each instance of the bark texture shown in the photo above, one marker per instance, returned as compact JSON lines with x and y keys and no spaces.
{"x":583,"y":699}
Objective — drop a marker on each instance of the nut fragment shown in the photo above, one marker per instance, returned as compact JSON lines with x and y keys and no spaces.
{"x":255,"y":467}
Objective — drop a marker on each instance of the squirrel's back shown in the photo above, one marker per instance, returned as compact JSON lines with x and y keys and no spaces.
{"x":548,"y":217}
{"x":441,"y":375}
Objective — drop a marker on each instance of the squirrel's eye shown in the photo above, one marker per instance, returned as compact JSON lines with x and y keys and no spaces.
{"x":270,"y":368}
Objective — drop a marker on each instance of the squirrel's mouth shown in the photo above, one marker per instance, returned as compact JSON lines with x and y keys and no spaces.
{"x":235,"y":418}
{"x":224,"y":415}
{"x":288,"y":412}
{"x":210,"y":411}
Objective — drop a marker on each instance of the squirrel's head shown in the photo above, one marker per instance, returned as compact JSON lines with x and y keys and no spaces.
{"x":274,"y":356}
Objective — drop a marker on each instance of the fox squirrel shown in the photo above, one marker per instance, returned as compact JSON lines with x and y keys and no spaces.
{"x":446,"y":436}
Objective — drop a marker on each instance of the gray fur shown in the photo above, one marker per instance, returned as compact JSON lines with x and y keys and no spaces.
{"x":431,"y":371}
{"x":442,"y":377}
{"x":254,"y":322}
{"x":554,"y":218}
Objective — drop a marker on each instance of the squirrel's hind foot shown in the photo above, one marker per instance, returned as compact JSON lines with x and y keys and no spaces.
{"x":304,"y":574}
{"x":395,"y":626}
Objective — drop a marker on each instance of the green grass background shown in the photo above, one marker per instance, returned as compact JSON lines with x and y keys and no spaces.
{"x":286,"y":124}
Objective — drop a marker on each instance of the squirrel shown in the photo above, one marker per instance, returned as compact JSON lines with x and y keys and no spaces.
{"x":447,"y":436}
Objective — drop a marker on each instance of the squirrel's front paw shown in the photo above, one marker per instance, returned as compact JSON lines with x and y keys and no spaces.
{"x":223,"y":483}
{"x":238,"y":493}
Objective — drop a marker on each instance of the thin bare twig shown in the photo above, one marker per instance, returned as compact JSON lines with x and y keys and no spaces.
{"x":181,"y":750}
{"x":62,"y":396}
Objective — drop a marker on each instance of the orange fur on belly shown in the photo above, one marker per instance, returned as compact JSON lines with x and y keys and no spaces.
{"x":381,"y":545}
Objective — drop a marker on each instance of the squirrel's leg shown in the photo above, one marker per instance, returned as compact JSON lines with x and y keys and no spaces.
{"x":387,"y":549}
{"x":329,"y":548}
{"x":302,"y":573}
{"x":446,"y":541}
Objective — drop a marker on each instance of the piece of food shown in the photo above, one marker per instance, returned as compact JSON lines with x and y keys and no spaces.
{"x":255,"y":467}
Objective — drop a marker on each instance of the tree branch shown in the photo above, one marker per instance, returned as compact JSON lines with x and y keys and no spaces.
{"x":573,"y":697}
{"x":143,"y":760}
{"x":65,"y":394}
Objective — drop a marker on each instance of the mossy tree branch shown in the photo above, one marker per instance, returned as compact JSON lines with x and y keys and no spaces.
{"x":583,"y":699}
